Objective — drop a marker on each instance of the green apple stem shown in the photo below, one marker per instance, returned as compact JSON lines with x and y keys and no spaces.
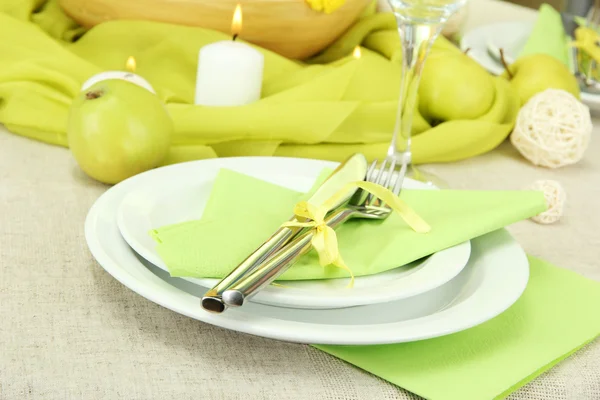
{"x":94,"y":94}
{"x":505,"y":64}
{"x":417,"y":40}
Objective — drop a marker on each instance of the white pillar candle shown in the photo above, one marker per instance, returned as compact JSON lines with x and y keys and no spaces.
{"x":124,"y":75}
{"x":229,"y":72}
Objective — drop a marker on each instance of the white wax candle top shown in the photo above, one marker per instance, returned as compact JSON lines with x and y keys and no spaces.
{"x":127,"y":76}
{"x":229,"y":74}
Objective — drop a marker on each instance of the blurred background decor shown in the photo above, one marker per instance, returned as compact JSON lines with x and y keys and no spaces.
{"x":341,"y":100}
{"x":575,"y":7}
{"x":288,"y":27}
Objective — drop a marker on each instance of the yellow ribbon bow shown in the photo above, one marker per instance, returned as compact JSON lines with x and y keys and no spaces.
{"x":324,"y":240}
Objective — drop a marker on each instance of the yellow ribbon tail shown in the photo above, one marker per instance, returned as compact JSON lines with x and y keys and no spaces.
{"x":324,"y":241}
{"x":341,"y":264}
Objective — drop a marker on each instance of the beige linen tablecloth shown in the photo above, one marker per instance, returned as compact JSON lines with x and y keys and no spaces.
{"x":68,"y":330}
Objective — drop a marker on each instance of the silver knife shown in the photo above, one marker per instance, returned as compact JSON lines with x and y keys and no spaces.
{"x":351,"y":170}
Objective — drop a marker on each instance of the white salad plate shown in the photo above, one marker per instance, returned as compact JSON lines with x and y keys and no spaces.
{"x":485,"y":41}
{"x":179,"y":193}
{"x":494,"y":278}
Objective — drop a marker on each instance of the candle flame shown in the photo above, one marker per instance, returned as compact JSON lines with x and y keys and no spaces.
{"x":236,"y":23}
{"x":130,"y":64}
{"x":356,"y":53}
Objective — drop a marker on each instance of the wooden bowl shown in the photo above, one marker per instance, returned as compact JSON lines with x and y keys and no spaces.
{"x":288,"y":27}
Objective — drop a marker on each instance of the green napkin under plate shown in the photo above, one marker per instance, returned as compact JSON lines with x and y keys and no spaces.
{"x":556,"y":315}
{"x":243,"y":211}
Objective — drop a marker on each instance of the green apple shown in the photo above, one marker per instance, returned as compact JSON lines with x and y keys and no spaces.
{"x":117,"y":129}
{"x":535,"y":73}
{"x":453,"y":86}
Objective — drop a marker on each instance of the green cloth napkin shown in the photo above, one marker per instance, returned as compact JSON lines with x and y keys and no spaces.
{"x":242,"y":212}
{"x":328,"y":107}
{"x":548,"y":36}
{"x":556,"y":315}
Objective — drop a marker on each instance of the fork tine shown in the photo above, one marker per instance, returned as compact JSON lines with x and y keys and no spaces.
{"x":387,"y":184}
{"x":370,"y":171}
{"x":376,"y":178}
{"x":360,"y":196}
{"x":381,"y":174}
{"x":400,"y":179}
{"x":390,"y":173}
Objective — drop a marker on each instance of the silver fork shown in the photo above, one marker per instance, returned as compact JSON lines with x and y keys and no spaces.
{"x":361,"y":205}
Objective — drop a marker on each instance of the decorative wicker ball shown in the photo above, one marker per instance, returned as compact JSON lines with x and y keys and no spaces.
{"x":553,"y":129}
{"x":555,"y":199}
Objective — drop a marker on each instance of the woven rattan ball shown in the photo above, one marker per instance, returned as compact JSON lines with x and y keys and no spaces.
{"x":553,"y":129}
{"x":555,"y":199}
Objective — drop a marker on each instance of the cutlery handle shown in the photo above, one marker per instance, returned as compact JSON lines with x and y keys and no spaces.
{"x":277,"y":264}
{"x":211,"y":301}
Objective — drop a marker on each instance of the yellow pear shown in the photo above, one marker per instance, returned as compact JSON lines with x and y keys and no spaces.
{"x":441,"y":43}
{"x":535,"y":73}
{"x":453,"y":86}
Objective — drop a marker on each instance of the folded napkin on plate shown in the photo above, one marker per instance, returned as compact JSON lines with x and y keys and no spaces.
{"x":548,"y":36}
{"x":243,"y":211}
{"x":556,"y":315}
{"x":328,"y":108}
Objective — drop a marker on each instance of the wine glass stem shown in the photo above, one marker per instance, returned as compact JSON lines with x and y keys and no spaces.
{"x":417,"y":40}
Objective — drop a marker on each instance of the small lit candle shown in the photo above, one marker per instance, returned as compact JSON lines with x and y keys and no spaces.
{"x":125,"y":75}
{"x":229,"y":72}
{"x":356,"y":53}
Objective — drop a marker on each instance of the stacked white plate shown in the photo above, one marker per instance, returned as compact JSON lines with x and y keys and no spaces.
{"x":447,"y":292}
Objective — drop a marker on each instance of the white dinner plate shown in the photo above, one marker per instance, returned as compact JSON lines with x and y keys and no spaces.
{"x":485,"y":41}
{"x":493,"y":280}
{"x":179,"y":193}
